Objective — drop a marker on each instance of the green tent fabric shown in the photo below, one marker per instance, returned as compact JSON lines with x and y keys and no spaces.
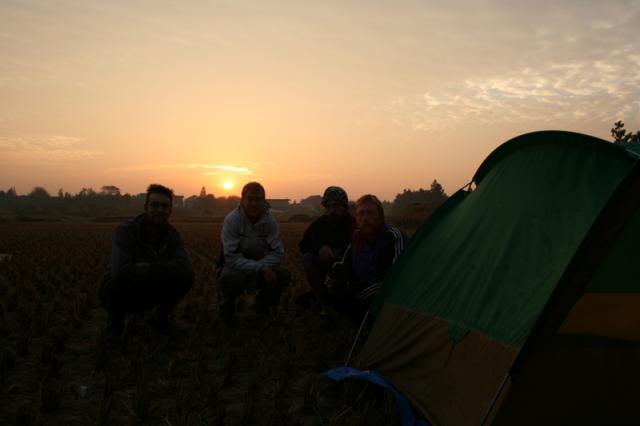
{"x":486,"y":265}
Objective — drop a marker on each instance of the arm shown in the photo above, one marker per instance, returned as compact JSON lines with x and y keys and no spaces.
{"x":276,"y":248}
{"x":340,"y":276}
{"x":231,"y":247}
{"x":123,"y":265}
{"x":393,"y":246}
{"x":178,"y":266}
{"x":307,"y":246}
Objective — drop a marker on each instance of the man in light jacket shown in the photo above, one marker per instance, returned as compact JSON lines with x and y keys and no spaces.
{"x":253,"y":254}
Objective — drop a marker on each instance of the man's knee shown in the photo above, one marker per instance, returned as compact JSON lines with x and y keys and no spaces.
{"x":316,"y":276}
{"x":124,"y":296}
{"x":233,"y":281}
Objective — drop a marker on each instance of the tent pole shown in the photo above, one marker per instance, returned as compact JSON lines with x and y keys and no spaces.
{"x":353,"y":346}
{"x":495,"y":399}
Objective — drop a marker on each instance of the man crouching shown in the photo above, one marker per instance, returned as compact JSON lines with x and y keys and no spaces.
{"x":353,"y":282}
{"x":253,"y":254}
{"x":150,"y":267}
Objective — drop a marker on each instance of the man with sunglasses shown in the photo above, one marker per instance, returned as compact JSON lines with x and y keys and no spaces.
{"x":150,"y":267}
{"x":253,"y":255}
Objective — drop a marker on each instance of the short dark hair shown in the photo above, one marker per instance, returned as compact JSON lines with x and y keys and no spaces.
{"x":253,"y":186}
{"x":370,"y":198}
{"x":155,"y":188}
{"x":335,"y":194}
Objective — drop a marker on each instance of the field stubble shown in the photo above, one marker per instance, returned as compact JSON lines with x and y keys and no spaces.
{"x":58,"y":367}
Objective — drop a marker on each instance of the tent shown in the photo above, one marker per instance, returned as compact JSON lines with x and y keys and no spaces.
{"x":518,"y":302}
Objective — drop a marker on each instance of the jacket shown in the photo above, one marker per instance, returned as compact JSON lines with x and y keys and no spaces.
{"x":361,"y":271}
{"x":131,"y":252}
{"x":325,"y":232}
{"x":249,"y":247}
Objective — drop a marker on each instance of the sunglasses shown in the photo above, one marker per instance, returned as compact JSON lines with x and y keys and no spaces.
{"x":159,"y":205}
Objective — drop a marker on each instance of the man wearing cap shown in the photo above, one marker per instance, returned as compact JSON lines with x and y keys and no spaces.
{"x":325,"y":241}
{"x":150,"y":268}
{"x":253,"y":254}
{"x":353,"y":281}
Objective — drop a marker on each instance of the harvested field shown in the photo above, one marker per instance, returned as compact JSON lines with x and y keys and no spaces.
{"x":57,"y":366}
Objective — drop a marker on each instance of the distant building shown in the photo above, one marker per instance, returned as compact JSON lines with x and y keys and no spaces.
{"x":178,"y":201}
{"x":279,"y":204}
{"x":191,"y":202}
{"x":137,"y":201}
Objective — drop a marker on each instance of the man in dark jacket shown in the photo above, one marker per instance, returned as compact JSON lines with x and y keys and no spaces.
{"x":325,"y":241}
{"x":355,"y":279}
{"x":150,"y":268}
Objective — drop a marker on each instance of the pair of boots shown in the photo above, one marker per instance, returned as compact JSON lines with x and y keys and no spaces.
{"x":159,"y":320}
{"x":227,"y":310}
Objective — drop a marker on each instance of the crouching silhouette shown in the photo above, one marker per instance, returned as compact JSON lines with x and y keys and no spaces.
{"x":150,"y":268}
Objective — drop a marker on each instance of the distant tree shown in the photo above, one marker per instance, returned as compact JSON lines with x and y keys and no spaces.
{"x":437,"y":193}
{"x":86,"y":192}
{"x":203,"y":192}
{"x":2,"y":193}
{"x":387,"y":207}
{"x":11,"y":192}
{"x":620,"y":135}
{"x":434,"y":196}
{"x":39,"y":193}
{"x":60,"y":193}
{"x":110,"y":190}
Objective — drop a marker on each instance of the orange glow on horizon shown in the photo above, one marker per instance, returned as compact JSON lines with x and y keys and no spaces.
{"x":215,"y":97}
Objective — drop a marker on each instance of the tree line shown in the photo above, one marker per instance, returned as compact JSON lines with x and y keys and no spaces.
{"x":110,"y":201}
{"x":410,"y":206}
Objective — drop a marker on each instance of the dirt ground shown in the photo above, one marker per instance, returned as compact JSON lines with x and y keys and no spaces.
{"x":57,"y":366}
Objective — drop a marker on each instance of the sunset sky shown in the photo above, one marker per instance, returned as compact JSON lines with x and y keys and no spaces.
{"x":375,"y":96}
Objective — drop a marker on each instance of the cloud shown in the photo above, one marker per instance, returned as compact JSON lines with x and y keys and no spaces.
{"x":223,"y":167}
{"x":6,"y":118}
{"x":218,"y":167}
{"x":50,"y":148}
{"x":570,"y":62}
{"x":601,"y":90}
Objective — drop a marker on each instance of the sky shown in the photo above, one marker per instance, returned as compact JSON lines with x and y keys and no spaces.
{"x":374,"y":96}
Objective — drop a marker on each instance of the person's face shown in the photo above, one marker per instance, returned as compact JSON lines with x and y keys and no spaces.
{"x":158,"y":208}
{"x":253,"y":204}
{"x":334,"y":210}
{"x":369,"y":219}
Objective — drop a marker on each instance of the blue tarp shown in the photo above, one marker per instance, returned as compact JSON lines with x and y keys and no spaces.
{"x":407,"y":416}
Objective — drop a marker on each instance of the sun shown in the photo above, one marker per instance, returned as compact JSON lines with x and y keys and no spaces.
{"x":228,"y":185}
